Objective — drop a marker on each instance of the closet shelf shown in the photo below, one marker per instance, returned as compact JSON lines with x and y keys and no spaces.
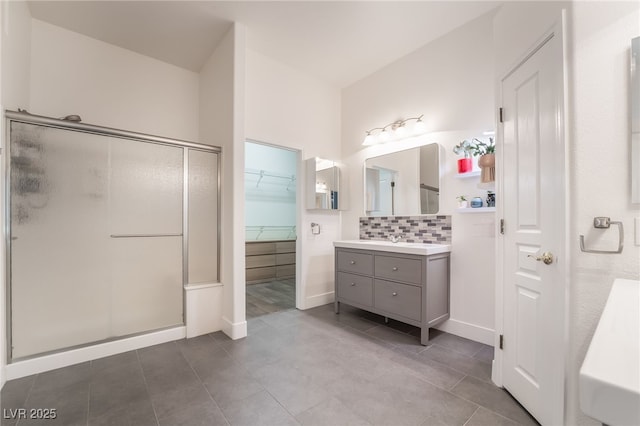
{"x":290,"y":179}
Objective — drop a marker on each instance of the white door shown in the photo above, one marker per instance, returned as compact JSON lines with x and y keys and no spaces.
{"x":534,"y":224}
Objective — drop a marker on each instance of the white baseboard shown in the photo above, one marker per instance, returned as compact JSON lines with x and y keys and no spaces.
{"x":236,"y":330}
{"x":319,"y":300}
{"x":75,"y":356}
{"x":468,"y":331}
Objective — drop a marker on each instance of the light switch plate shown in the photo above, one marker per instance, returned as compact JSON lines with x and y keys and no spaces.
{"x":637,"y":231}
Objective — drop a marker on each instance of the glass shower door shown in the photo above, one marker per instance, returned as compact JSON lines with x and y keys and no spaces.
{"x":60,"y":281}
{"x":96,"y":237}
{"x":145,"y":236}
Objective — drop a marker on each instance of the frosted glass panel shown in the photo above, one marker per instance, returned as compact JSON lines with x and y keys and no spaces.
{"x":147,"y":284}
{"x":146,"y":188}
{"x":203,"y":217}
{"x":60,"y":280}
{"x":72,"y":282}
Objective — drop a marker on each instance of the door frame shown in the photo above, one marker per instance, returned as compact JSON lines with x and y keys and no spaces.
{"x":299,"y":205}
{"x":558,"y":30}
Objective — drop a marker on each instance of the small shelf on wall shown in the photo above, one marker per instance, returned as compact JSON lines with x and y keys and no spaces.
{"x":476,"y":210}
{"x":467,"y":175}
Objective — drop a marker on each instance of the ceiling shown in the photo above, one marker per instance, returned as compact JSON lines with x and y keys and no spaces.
{"x":339,"y":42}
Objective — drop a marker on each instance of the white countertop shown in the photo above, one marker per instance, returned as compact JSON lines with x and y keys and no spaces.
{"x":610,"y":373}
{"x":400,"y":247}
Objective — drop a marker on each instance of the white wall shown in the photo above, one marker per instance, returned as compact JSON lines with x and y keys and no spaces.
{"x":450,"y":81}
{"x":15,"y":54}
{"x":600,"y":178}
{"x":221,"y":123}
{"x":110,"y":86}
{"x":287,"y":108}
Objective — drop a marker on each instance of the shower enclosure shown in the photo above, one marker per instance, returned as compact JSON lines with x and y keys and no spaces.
{"x":104,"y":228}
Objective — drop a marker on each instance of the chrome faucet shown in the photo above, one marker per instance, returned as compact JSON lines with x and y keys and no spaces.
{"x":394,"y":238}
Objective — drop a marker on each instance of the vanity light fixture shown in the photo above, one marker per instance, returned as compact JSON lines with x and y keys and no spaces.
{"x":394,"y":131}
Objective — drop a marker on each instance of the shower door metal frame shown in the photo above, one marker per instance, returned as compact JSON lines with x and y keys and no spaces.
{"x":27,"y":118}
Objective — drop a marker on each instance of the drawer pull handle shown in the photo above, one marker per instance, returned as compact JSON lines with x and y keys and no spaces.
{"x":394,"y":294}
{"x":353,"y":284}
{"x":353,"y":262}
{"x":395,"y":268}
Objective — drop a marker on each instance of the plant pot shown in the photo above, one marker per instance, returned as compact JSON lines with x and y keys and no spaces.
{"x":465,"y":165}
{"x":463,"y":204}
{"x":487,"y":164}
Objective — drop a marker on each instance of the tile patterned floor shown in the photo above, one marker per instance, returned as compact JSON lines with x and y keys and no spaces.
{"x":270,"y":297}
{"x":296,"y":368}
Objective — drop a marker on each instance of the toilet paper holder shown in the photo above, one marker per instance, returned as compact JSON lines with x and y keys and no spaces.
{"x":605,"y":223}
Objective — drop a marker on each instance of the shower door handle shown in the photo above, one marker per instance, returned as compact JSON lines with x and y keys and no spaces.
{"x":144,"y":235}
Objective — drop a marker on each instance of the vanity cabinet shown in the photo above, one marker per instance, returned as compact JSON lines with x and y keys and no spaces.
{"x":410,"y":288}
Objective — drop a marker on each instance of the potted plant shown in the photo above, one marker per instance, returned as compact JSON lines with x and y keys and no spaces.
{"x":487,"y":160}
{"x":464,"y":148}
{"x":463,"y":203}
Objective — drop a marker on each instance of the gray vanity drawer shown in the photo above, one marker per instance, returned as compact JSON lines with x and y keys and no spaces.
{"x":399,"y":269}
{"x":399,"y":299}
{"x":355,"y":288}
{"x":357,"y":263}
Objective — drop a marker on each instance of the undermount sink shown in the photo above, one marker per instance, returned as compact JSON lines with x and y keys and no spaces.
{"x":399,"y":247}
{"x":610,"y":374}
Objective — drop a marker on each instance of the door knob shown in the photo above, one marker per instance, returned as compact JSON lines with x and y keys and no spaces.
{"x":546,"y":257}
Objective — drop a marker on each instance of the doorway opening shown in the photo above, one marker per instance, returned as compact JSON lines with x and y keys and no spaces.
{"x":270,"y":228}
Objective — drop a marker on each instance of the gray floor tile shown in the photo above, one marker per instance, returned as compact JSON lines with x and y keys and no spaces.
{"x":114,"y":387}
{"x":71,"y":404}
{"x":486,"y":353}
{"x":400,"y":398}
{"x":400,"y":340}
{"x":484,"y":417}
{"x":198,"y":347}
{"x":139,"y":413}
{"x":256,"y":410}
{"x":455,"y":343}
{"x":296,"y":390}
{"x":130,"y":357}
{"x":62,"y":377}
{"x":230,"y":384}
{"x":320,"y":367}
{"x":331,"y":412}
{"x":493,"y":398}
{"x":196,"y":414}
{"x":465,"y":364}
{"x":433,"y":372}
{"x":14,"y":392}
{"x":167,"y":403}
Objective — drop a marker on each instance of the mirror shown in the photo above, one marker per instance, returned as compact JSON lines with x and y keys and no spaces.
{"x":403,"y":183}
{"x":323,"y":182}
{"x":635,"y":120}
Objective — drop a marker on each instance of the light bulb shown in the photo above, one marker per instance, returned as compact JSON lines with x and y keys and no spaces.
{"x":369,"y":139}
{"x":400,"y":132}
{"x":419,"y":128}
{"x":384,"y":136}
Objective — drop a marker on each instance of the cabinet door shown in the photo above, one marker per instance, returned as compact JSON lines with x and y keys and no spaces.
{"x":398,"y":299}
{"x":355,"y":262}
{"x":399,"y":269}
{"x":355,"y":288}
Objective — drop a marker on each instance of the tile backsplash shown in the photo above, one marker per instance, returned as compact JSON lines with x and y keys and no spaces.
{"x":415,"y":229}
